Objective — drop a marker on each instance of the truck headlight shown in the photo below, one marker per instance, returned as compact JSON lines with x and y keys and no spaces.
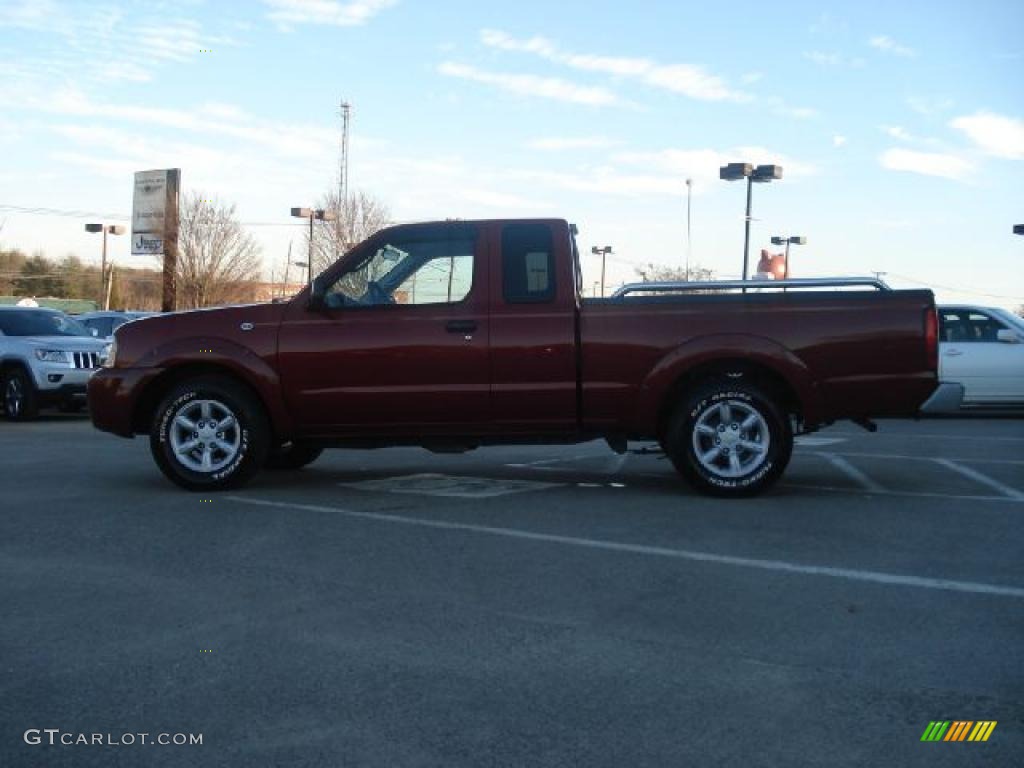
{"x":51,"y":355}
{"x":107,"y":354}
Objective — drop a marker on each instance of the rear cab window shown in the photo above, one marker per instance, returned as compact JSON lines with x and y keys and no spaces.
{"x":527,"y":264}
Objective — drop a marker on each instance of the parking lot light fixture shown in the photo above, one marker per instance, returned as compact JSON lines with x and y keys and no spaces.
{"x":312,"y":214}
{"x":603,"y":253}
{"x":112,"y":229}
{"x":1018,"y":229}
{"x":762,"y":174}
{"x":787,"y":241}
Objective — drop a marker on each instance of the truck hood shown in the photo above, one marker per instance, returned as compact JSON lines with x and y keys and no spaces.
{"x":69,"y":343}
{"x":252,"y":326}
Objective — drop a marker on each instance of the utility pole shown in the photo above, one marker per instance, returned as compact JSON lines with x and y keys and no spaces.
{"x":170,"y":287}
{"x":346,"y":115}
{"x":689,"y":239}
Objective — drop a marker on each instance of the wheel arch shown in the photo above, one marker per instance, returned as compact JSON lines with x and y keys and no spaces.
{"x":149,"y":400}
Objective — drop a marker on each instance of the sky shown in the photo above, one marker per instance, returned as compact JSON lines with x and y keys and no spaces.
{"x":899,"y":125}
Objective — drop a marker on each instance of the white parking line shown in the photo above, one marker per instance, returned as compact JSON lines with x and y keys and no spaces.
{"x":876,"y":577}
{"x":852,"y":472}
{"x":921,"y":436}
{"x":992,"y":483}
{"x":904,"y":457}
{"x":909,"y":494}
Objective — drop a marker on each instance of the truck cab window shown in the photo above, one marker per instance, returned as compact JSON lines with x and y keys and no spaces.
{"x":424,"y":271}
{"x":528,"y":264}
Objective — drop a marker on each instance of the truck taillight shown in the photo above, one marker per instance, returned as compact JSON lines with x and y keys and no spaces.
{"x":931,"y":337}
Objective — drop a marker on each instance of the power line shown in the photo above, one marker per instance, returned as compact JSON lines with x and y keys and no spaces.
{"x":78,"y":214}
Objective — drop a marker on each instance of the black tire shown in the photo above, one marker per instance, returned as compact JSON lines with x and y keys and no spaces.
{"x":737,"y":461}
{"x":247,"y":437}
{"x":295,"y":455}
{"x":20,"y":402}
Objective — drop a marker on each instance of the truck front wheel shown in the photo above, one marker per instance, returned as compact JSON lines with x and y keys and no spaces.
{"x":729,"y":439}
{"x":209,"y":434}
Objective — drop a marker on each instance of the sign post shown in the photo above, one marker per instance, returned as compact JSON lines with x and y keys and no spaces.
{"x":155,"y":224}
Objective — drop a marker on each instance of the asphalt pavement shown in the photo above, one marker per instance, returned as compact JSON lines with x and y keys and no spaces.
{"x":514,"y":606}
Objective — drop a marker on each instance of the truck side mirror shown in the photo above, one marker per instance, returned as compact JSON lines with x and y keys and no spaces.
{"x":1007,"y":336}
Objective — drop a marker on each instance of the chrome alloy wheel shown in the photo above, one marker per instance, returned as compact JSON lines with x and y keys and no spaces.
{"x":205,"y":436}
{"x":731,"y":439}
{"x":14,"y":396}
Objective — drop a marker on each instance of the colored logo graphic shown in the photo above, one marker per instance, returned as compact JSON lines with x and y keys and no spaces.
{"x":958,"y":730}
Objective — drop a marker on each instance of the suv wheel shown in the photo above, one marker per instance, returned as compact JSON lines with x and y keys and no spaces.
{"x":19,"y":395}
{"x":209,"y":434}
{"x":729,"y":439}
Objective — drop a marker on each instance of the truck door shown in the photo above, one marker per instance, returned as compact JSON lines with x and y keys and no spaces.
{"x":402,"y":344}
{"x":533,"y":329}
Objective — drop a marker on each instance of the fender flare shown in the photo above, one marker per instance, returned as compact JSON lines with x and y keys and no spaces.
{"x":749,"y":348}
{"x":237,"y":359}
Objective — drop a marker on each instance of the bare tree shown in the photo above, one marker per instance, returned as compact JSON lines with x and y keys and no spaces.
{"x":217,"y":259}
{"x":660,"y":273}
{"x":360,"y":216}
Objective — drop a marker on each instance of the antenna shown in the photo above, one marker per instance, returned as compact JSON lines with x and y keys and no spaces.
{"x":346,"y":115}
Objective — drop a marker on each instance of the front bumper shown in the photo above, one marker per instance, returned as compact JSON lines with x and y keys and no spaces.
{"x":51,"y":378}
{"x":113,"y":397}
{"x":946,"y":398}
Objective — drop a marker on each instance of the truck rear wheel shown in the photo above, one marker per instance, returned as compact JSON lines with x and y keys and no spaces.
{"x":729,"y":439}
{"x":209,"y":434}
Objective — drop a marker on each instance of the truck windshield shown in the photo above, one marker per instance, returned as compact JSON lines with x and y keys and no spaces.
{"x":32,"y":322}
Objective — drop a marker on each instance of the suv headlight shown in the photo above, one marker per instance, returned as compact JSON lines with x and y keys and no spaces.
{"x":51,"y":355}
{"x":108,"y":354}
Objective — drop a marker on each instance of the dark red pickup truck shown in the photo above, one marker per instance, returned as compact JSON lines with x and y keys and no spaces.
{"x":452,"y":335}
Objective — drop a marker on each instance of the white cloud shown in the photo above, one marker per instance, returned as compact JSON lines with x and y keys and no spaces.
{"x":994,"y":134}
{"x":832,"y":59}
{"x":281,"y":139}
{"x":582,"y":142}
{"x":897,"y":132}
{"x":686,"y":79}
{"x":331,"y":12}
{"x":888,"y":45}
{"x":838,"y":141}
{"x":703,"y":164}
{"x":752,"y":77}
{"x":929,"y":105}
{"x":946,"y":166}
{"x":532,"y":85}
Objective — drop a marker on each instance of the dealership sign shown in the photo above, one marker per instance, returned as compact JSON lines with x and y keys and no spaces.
{"x":153,"y":202}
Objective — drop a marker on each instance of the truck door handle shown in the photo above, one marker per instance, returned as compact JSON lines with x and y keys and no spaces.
{"x":460,"y":326}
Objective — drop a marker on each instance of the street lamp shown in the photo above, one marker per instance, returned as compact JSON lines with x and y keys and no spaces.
{"x":762,"y":174}
{"x":689,"y":239}
{"x":791,"y":240}
{"x":1018,"y":229}
{"x":603,"y":253}
{"x":113,"y":229}
{"x":311,"y":214}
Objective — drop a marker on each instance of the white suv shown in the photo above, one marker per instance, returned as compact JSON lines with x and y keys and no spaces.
{"x":46,"y":358}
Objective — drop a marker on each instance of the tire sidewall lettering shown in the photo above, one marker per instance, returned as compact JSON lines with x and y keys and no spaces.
{"x":164,"y":436}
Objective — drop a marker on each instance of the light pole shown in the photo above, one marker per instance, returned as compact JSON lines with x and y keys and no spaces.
{"x":603,"y":253}
{"x":311,"y":214}
{"x":791,"y":240}
{"x":689,"y":239}
{"x":113,"y":229}
{"x":762,"y":174}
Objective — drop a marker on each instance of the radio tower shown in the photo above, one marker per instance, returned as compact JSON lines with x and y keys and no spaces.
{"x":346,"y":114}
